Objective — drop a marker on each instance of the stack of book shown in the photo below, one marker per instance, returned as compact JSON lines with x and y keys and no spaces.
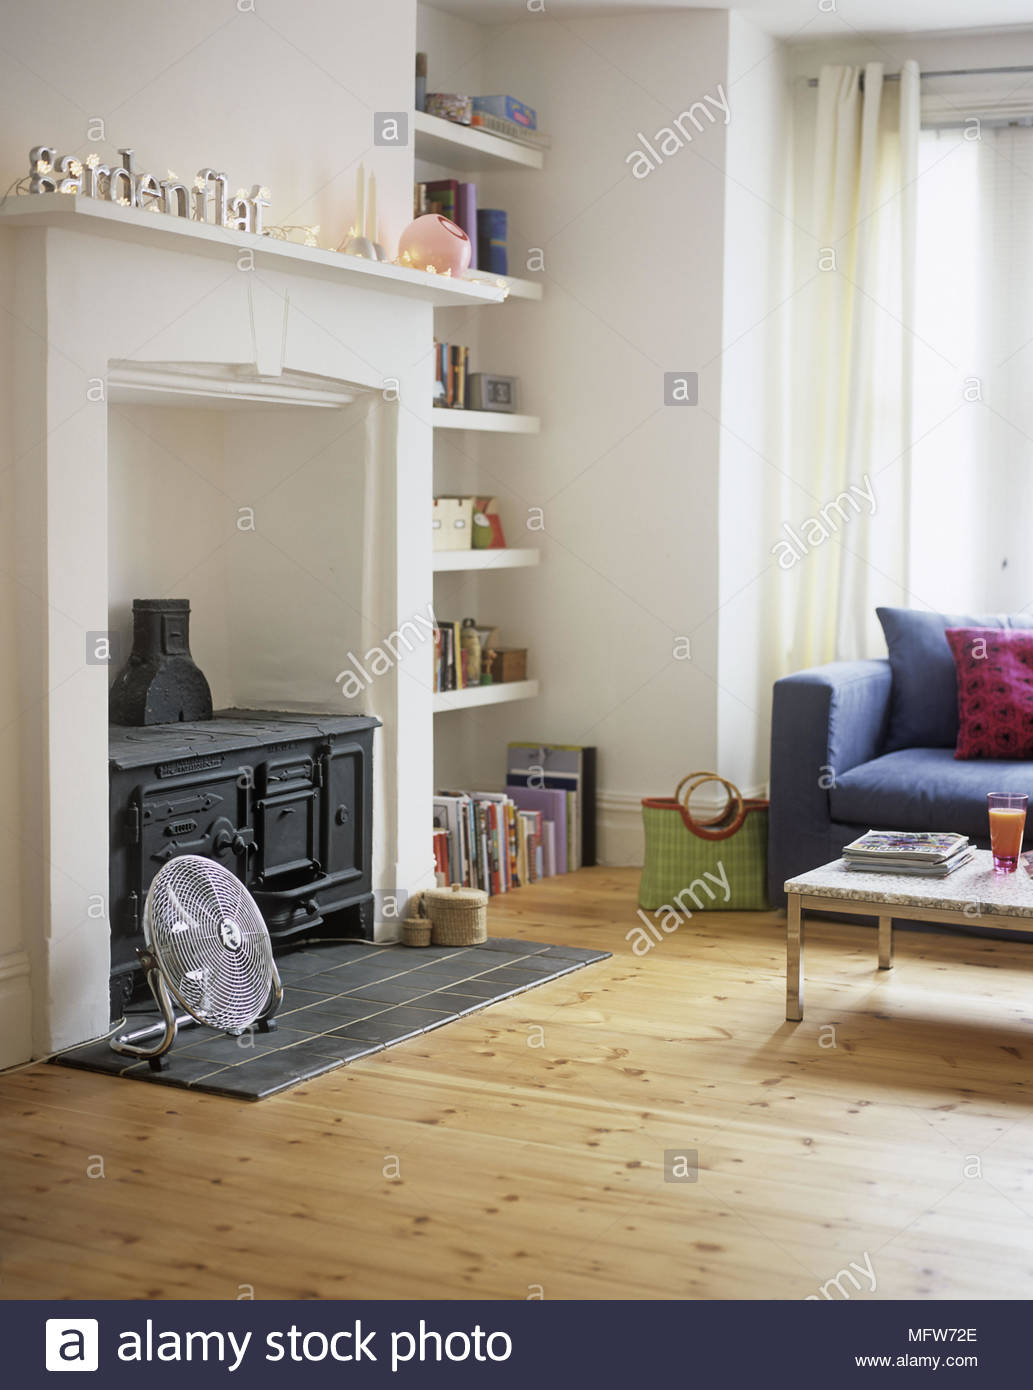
{"x":450,"y":661}
{"x":486,"y":227}
{"x":920,"y":853}
{"x":451,"y":374}
{"x":562,"y":776}
{"x":489,"y":840}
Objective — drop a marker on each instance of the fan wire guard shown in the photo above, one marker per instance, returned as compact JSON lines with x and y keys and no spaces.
{"x":210,"y":942}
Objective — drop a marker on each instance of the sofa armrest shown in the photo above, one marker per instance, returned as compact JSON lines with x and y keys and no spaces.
{"x":824,"y":721}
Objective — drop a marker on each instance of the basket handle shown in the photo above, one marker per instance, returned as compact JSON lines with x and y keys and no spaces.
{"x":714,"y":827}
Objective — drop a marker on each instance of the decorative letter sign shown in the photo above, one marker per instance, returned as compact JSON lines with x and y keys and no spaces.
{"x":206,"y":201}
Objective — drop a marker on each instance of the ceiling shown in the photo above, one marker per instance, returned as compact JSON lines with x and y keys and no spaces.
{"x":801,"y":19}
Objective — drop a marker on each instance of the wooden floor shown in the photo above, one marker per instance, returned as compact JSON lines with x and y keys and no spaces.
{"x":529,"y":1140}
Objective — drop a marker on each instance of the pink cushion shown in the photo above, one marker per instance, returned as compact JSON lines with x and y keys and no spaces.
{"x":995,"y":691}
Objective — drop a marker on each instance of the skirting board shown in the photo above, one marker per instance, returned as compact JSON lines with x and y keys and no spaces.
{"x":619,"y":835}
{"x":15,"y":1009}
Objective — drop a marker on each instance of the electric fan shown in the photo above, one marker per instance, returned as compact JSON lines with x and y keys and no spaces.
{"x":207,"y":947}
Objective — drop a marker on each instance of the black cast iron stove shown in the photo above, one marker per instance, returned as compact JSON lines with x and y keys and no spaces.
{"x":283,"y":800}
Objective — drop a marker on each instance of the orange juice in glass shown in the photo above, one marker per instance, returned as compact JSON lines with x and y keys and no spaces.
{"x":1007,"y":823}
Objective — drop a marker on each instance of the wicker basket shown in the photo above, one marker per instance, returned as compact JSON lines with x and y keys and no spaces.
{"x":416,"y":931}
{"x":459,"y":915}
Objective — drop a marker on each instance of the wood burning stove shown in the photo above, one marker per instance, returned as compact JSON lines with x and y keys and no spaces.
{"x":283,"y":800}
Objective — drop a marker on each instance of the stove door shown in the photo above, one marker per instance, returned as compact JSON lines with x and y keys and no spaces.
{"x":348,"y":785}
{"x":287,"y":831}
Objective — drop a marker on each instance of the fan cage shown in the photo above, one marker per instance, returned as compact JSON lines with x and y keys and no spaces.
{"x":210,"y":942}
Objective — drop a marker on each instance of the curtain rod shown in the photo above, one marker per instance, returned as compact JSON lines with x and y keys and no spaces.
{"x":946,"y":72}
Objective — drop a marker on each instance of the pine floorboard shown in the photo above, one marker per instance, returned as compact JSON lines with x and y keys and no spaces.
{"x":520,"y":1152}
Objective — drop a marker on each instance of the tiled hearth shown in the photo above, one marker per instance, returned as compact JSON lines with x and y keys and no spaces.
{"x":343,"y":1001}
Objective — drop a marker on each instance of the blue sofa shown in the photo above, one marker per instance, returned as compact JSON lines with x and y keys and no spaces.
{"x":857,"y":745}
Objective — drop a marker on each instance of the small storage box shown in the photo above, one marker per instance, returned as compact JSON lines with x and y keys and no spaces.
{"x":508,"y":109}
{"x":459,"y":915}
{"x":450,"y":106}
{"x":453,"y":523}
{"x":510,"y":664}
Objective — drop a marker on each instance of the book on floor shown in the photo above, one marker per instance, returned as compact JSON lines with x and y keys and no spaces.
{"x":561,"y":767}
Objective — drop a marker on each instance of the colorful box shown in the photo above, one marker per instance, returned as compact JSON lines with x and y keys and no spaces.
{"x":452,"y":524}
{"x":450,"y":106}
{"x":508,"y":109}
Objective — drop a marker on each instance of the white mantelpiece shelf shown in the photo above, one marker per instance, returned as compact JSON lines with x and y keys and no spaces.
{"x":495,"y":422}
{"x":469,"y":149}
{"x":484,"y":695}
{"x":517,"y":288}
{"x":501,"y":559}
{"x":161,"y":230}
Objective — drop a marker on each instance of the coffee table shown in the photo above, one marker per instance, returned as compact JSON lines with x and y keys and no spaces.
{"x":972,"y":895}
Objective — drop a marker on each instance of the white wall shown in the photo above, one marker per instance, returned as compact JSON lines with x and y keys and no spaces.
{"x":628,"y":486}
{"x":275,"y":92}
{"x":751,"y":459}
{"x":280,"y":93}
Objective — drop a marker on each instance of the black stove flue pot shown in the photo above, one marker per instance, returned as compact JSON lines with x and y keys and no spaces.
{"x":160,"y":684}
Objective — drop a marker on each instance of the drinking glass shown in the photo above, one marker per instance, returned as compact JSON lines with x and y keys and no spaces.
{"x":1007,"y":823}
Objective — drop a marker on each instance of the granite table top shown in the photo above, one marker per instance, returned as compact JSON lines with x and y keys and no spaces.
{"x":970,"y":890}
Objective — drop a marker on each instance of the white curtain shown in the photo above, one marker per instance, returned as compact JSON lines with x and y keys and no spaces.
{"x":846,"y":497}
{"x":972,"y":511}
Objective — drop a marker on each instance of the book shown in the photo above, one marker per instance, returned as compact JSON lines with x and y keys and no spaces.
{"x":910,"y":868}
{"x":902,"y":846}
{"x":561,"y":767}
{"x":466,"y":215}
{"x":443,"y":197}
{"x":552,"y":803}
{"x":491,"y":241}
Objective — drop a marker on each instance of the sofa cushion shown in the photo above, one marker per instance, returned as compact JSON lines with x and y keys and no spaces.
{"x":995,"y":692}
{"x":924,"y":702}
{"x":925,"y":789}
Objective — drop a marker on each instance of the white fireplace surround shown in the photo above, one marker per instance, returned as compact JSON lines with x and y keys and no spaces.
{"x":316,"y":371}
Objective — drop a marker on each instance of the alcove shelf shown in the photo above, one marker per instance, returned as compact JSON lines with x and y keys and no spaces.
{"x":446,"y":700}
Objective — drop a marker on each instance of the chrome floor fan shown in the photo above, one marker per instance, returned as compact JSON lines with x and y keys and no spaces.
{"x":207,"y":948}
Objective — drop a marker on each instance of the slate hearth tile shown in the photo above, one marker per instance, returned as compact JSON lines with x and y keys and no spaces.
{"x":444,"y":973}
{"x":274,"y":1071}
{"x":224,"y":1051}
{"x":181,"y":1071}
{"x":415,"y":1014}
{"x":480,"y":989}
{"x":540,"y":965}
{"x":574,"y":953}
{"x":513,"y":975}
{"x":345,"y":1049}
{"x":512,"y":943}
{"x":452,"y":1001}
{"x":392,"y":992}
{"x":378,"y":1030}
{"x":96,"y":1057}
{"x":322,"y":1018}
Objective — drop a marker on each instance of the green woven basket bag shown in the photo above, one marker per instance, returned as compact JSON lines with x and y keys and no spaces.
{"x":694,"y":865}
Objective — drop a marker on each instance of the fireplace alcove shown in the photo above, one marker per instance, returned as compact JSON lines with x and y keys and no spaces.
{"x":257,"y":440}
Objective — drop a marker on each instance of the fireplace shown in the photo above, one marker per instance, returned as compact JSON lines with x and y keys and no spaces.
{"x":284,"y":801}
{"x":245,"y":421}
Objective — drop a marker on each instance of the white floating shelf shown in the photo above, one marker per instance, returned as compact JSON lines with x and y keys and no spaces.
{"x":493,"y":421}
{"x":518,"y":289}
{"x":504,"y":559}
{"x":100,"y":217}
{"x":468,"y":149}
{"x":484,"y":695}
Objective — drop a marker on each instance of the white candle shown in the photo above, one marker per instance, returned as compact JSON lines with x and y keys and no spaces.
{"x":360,"y":185}
{"x":371,"y":209}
